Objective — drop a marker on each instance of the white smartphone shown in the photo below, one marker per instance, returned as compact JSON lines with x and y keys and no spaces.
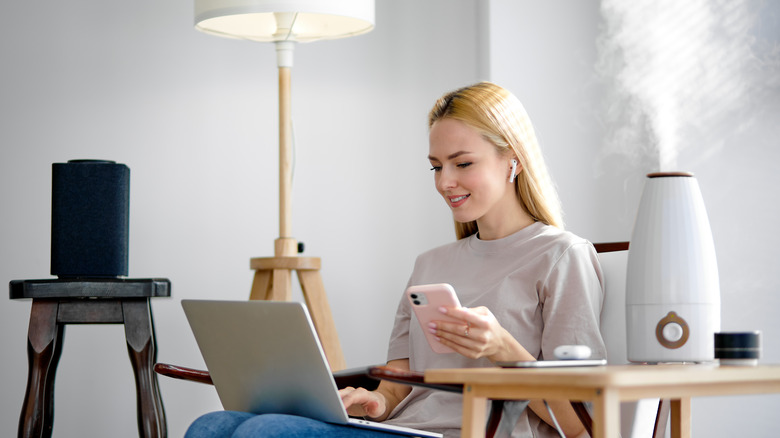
{"x":553,"y":363}
{"x":426,"y":299}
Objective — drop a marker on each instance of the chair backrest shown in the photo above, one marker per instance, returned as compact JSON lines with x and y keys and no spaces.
{"x":613,"y":312}
{"x":637,"y":419}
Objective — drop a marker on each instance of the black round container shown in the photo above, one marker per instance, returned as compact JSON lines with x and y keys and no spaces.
{"x":738,"y":348}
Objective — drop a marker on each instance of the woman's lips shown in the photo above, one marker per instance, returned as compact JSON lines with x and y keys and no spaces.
{"x":457,"y":201}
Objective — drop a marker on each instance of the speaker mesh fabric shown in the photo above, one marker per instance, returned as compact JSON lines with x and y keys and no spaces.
{"x":90,"y":219}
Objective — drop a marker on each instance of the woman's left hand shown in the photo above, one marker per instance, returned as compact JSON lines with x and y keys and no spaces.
{"x":477,"y":334}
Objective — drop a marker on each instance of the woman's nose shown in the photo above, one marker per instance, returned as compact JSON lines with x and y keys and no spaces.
{"x":445,"y":180}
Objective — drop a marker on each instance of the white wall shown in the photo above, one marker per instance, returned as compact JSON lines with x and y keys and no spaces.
{"x":546,"y":53}
{"x":551,"y":55}
{"x":194,"y":117}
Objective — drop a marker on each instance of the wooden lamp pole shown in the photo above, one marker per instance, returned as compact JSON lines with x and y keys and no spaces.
{"x":273,"y":275}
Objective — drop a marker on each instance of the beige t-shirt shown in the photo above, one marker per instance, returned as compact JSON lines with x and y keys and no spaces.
{"x":543,"y":285}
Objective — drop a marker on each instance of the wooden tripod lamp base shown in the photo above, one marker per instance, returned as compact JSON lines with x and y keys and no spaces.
{"x":273,"y":282}
{"x":273,"y":275}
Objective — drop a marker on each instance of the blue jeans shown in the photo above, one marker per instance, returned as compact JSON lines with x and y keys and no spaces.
{"x":231,"y":424}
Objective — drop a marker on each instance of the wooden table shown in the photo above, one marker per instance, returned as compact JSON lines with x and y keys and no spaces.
{"x":606,"y":387}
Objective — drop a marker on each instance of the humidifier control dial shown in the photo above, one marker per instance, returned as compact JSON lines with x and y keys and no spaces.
{"x":672,"y":331}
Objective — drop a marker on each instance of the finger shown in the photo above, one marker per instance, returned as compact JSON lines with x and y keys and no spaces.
{"x":458,"y":335}
{"x":473,"y":316}
{"x":460,"y":345}
{"x":344,"y":392}
{"x":352,"y":403}
{"x":468,"y":340}
{"x":350,"y":395}
{"x":461,"y":329}
{"x":358,"y":397}
{"x":362,"y":402}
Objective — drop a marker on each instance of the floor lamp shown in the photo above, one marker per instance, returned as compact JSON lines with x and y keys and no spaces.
{"x":285,"y":23}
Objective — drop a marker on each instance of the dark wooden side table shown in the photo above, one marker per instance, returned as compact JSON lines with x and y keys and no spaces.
{"x":57,"y":302}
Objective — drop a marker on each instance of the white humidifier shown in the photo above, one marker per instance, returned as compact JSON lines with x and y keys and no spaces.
{"x":672,"y":286}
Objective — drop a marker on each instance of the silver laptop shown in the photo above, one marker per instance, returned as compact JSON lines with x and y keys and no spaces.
{"x":264,"y":357}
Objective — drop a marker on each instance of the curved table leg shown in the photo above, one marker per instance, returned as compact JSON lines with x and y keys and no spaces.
{"x":44,"y":347}
{"x":139,"y":332}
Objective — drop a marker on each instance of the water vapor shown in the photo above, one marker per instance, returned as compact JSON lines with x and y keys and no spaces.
{"x":682,"y":74}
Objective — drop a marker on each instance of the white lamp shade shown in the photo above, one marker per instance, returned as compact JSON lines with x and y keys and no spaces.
{"x":284,"y":20}
{"x":672,"y":286}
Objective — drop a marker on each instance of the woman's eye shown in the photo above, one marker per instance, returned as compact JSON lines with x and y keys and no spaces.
{"x":436,"y":168}
{"x":464,"y":165}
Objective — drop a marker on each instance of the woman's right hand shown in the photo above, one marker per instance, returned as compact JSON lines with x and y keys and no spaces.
{"x":361,"y":402}
{"x":378,"y":404}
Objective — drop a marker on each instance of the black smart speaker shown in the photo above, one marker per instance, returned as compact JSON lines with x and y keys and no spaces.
{"x":90,"y":217}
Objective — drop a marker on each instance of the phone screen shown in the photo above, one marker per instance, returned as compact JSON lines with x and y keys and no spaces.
{"x":553,"y":363}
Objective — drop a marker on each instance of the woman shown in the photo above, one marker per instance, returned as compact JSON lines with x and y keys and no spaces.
{"x":526,"y":285}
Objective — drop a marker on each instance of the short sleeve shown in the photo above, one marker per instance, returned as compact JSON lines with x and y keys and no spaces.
{"x":571,"y":299}
{"x":399,"y":347}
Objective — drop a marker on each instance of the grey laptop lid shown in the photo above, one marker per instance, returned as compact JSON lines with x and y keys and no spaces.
{"x":264,"y":357}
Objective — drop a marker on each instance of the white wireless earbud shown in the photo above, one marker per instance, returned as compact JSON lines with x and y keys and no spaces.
{"x":514,"y":169}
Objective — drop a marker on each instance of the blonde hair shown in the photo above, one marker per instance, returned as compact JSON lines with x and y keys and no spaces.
{"x":502,"y":120}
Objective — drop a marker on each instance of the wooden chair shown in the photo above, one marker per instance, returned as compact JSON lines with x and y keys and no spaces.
{"x":613,"y":258}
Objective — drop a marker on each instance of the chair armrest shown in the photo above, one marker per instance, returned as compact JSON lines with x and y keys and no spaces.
{"x":413,"y":378}
{"x":365,"y":377}
{"x":183,"y":373}
{"x":611,"y":246}
{"x":356,"y":378}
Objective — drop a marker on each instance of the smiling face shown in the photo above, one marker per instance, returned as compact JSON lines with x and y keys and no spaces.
{"x":473,"y":178}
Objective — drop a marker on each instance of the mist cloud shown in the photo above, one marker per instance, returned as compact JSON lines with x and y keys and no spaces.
{"x":682,"y":74}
